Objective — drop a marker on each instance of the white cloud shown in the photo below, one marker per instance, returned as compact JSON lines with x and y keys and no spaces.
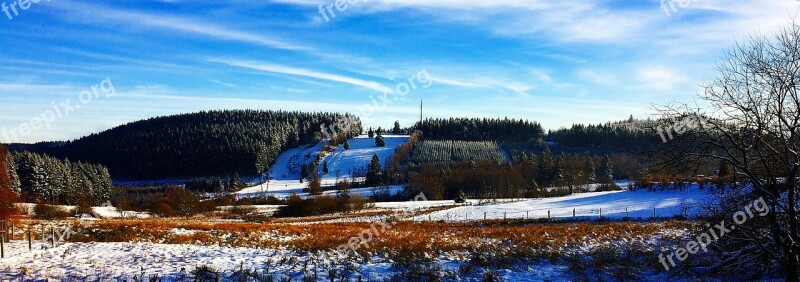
{"x":660,"y":78}
{"x":605,"y":79}
{"x":89,"y":13}
{"x":280,"y":69}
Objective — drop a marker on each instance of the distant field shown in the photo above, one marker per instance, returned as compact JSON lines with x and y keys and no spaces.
{"x":445,"y":151}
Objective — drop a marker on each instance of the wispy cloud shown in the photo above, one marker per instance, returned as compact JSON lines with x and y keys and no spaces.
{"x":281,"y":69}
{"x":87,"y":12}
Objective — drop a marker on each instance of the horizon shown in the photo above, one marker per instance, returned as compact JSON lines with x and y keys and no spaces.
{"x":554,"y":63}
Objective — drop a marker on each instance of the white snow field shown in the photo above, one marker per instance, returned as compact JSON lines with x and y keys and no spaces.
{"x":611,"y":205}
{"x":285,"y":173}
{"x":118,"y":261}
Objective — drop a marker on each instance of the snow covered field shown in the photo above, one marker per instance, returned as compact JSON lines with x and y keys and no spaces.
{"x":613,"y":205}
{"x":107,"y":261}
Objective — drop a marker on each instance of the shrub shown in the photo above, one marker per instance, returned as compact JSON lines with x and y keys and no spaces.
{"x":44,"y":211}
{"x":608,"y":187}
{"x":299,"y":207}
{"x":161,"y":208}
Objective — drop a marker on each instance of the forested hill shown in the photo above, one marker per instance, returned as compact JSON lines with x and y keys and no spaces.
{"x":475,"y":129}
{"x":215,"y":143}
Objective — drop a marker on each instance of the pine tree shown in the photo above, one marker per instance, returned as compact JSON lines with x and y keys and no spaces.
{"x":315,"y":183}
{"x":590,"y":171}
{"x":397,"y":129}
{"x":375,"y":172}
{"x":607,"y":170}
{"x":303,"y":173}
{"x":7,"y":195}
{"x":325,"y":167}
{"x":545,"y":169}
{"x":371,"y":133}
{"x":379,"y":141}
{"x":346,"y":144}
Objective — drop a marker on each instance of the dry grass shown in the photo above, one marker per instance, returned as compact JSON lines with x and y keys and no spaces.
{"x":516,"y":239}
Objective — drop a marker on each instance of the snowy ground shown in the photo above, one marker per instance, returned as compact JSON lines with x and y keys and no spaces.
{"x":106,"y":261}
{"x":285,"y":173}
{"x":612,"y":205}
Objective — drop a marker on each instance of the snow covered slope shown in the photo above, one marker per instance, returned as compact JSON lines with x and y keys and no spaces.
{"x":362,"y":149}
{"x":285,"y":173}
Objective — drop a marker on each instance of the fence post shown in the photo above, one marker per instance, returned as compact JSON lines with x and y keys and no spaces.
{"x":466,"y":216}
{"x":30,"y":245}
{"x":573,"y":213}
{"x":601,"y":212}
{"x":11,"y":236}
{"x":2,"y":246}
{"x":505,"y":215}
{"x":429,"y":218}
{"x":484,"y":216}
{"x":527,"y":214}
{"x":548,"y":214}
{"x":626,"y":212}
{"x":654,"y":212}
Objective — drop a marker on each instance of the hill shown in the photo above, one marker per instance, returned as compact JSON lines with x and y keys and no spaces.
{"x":214,"y":143}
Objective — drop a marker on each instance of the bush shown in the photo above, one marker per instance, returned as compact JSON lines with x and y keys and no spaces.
{"x":299,"y":207}
{"x":162,"y":208}
{"x":44,"y":211}
{"x":608,"y":187}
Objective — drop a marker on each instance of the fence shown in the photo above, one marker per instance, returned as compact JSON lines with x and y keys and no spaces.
{"x":50,"y":234}
{"x":624,"y":213}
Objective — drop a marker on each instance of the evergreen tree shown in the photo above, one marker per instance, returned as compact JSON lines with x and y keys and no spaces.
{"x":325,"y":167}
{"x":315,"y":183}
{"x":346,"y":144}
{"x":7,"y":195}
{"x":590,"y":171}
{"x":607,"y":170}
{"x":397,"y":129}
{"x":304,"y":173}
{"x":375,"y":172}
{"x":371,"y":133}
{"x":379,"y":141}
{"x":545,"y":168}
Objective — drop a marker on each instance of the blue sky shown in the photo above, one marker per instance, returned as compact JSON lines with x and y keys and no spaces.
{"x":556,"y":62}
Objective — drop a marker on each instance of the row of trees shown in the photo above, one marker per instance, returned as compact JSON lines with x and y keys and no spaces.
{"x":628,"y":136}
{"x":526,"y":177}
{"x":214,"y":143}
{"x":445,"y":151}
{"x":41,"y":178}
{"x":474,"y":129}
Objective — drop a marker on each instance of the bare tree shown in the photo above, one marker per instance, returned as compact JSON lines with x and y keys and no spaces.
{"x":748,"y":116}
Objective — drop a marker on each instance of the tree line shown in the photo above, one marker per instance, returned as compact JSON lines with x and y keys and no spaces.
{"x":41,"y":178}
{"x":476,"y":129}
{"x":204,"y":144}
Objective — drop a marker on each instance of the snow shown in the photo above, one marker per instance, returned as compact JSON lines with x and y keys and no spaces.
{"x":115,"y":261}
{"x":285,"y":173}
{"x":613,"y":205}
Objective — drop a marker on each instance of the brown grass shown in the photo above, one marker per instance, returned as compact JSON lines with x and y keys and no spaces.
{"x":515,"y":239}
